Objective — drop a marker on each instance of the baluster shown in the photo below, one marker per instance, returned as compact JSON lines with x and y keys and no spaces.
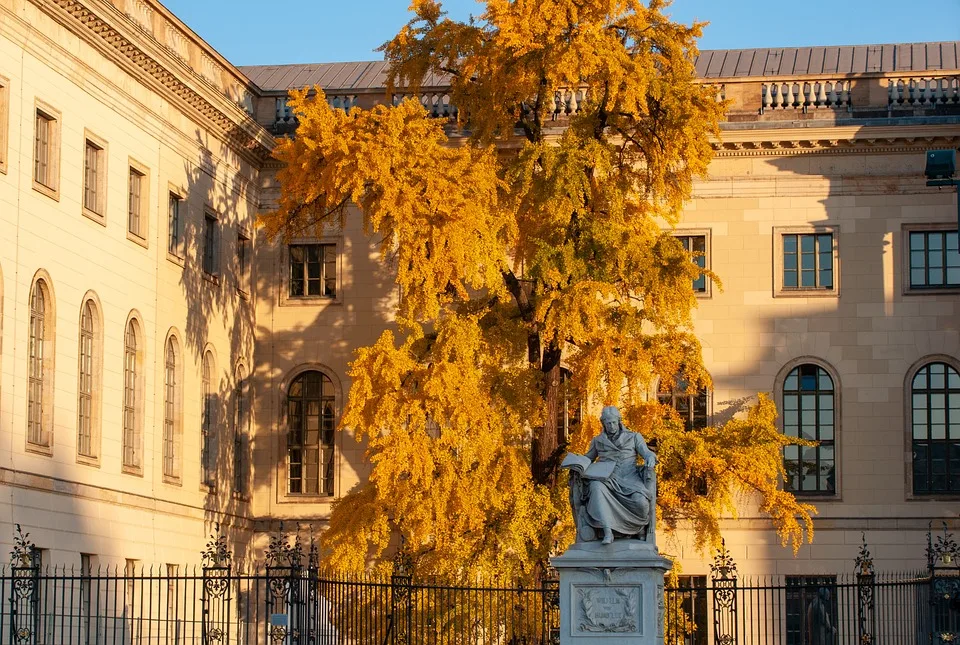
{"x":721,"y":93}
{"x":791,"y":96}
{"x":780,"y":96}
{"x":574,"y":106}
{"x":766,"y":100}
{"x":553,"y":105}
{"x":811,"y":98}
{"x":833,"y":96}
{"x":953,"y":93}
{"x":940,"y":90}
{"x":893,"y":92}
{"x":822,"y":94}
{"x":912,"y":85}
{"x":925,"y":93}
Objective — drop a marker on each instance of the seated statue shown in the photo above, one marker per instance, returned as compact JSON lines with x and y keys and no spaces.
{"x":611,"y":495}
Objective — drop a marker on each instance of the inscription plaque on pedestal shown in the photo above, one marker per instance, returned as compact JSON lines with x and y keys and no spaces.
{"x":606,"y":609}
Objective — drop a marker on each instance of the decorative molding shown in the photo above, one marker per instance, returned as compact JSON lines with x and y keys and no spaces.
{"x":239,"y":132}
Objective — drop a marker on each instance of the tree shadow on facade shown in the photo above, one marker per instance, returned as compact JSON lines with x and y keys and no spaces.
{"x":865,"y":333}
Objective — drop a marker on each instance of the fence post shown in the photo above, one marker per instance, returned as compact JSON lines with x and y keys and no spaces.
{"x":215,"y":594}
{"x":24,"y":591}
{"x":943,"y":567}
{"x":866,"y":593}
{"x":401,"y":608}
{"x":723,"y":573}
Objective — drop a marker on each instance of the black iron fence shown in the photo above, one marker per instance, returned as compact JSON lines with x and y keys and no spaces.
{"x":292,"y":601}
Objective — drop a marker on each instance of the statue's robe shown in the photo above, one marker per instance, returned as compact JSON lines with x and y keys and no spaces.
{"x":622,"y":502}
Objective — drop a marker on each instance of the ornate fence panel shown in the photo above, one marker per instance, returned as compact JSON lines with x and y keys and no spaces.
{"x":943,"y":567}
{"x":24,"y":601}
{"x":724,"y":577}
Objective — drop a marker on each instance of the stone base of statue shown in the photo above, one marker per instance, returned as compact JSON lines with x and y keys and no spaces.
{"x":611,"y":594}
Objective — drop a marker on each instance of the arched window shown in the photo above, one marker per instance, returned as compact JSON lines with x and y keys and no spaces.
{"x":88,"y":385}
{"x":208,"y":422}
{"x":171,"y":411}
{"x":241,"y":419}
{"x":40,"y":372}
{"x":310,"y":424}
{"x":132,"y":398}
{"x":691,"y":405}
{"x":809,"y":413}
{"x":935,"y":421}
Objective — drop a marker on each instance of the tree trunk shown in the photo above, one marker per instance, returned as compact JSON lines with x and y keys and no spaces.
{"x":548,"y":440}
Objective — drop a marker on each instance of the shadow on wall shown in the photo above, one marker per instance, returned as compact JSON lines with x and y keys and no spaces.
{"x":283,"y":340}
{"x":866,"y":336}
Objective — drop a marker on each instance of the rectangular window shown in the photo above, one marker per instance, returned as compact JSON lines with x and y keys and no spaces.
{"x":808,"y":261}
{"x":210,"y":244}
{"x":313,"y":271}
{"x":243,"y":263}
{"x":697,"y":244}
{"x":135,"y":221}
{"x":934,"y":260}
{"x":130,"y":587}
{"x":174,"y":225}
{"x":811,"y":610}
{"x":86,"y":574}
{"x":46,"y":152}
{"x":173,"y":608}
{"x":689,"y":600}
{"x":94,"y":175}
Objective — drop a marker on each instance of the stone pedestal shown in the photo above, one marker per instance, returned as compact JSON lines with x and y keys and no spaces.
{"x":611,"y":594}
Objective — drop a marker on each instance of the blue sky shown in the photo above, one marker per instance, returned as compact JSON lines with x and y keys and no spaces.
{"x":250,"y":32}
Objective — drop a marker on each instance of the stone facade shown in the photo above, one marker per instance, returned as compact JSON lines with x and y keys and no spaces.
{"x":127,"y":82}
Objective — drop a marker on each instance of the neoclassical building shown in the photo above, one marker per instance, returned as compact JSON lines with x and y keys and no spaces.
{"x":162,"y":368}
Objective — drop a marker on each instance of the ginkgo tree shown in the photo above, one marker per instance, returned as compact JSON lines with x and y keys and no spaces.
{"x":527,"y":237}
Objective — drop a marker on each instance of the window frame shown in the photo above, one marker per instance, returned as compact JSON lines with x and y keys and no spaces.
{"x":4,"y":123}
{"x":212,"y":271}
{"x":779,"y":291}
{"x":241,"y":432}
{"x":676,"y":393}
{"x":136,"y":389}
{"x":98,"y":214}
{"x":705,"y":233}
{"x":177,"y":255}
{"x":96,"y":381}
{"x":310,"y":301}
{"x":906,"y":273}
{"x":283,"y":482}
{"x":172,"y":412}
{"x":911,"y":373}
{"x":141,"y":237}
{"x":837,"y":424}
{"x":47,"y":365}
{"x":53,"y":117}
{"x":244,"y":268}
{"x":209,"y":421}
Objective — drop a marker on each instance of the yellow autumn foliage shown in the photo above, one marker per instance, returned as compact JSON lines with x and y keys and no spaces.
{"x":524,"y":236}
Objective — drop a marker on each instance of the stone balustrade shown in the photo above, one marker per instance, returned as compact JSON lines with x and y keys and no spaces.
{"x":923,"y":91}
{"x":804,"y":94}
{"x":437,"y":104}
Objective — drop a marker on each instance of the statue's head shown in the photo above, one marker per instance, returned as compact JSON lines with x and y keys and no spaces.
{"x":611,"y":421}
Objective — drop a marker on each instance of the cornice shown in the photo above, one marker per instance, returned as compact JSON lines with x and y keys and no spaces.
{"x":213,"y":111}
{"x":887,"y":139}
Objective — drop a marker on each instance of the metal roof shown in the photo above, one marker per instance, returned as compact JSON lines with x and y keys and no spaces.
{"x":849,"y":59}
{"x":717,"y":63}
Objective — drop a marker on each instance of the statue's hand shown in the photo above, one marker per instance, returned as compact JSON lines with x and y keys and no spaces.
{"x":650,"y":460}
